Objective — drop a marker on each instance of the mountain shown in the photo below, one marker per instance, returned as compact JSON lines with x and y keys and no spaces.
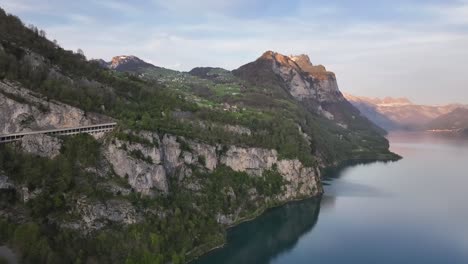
{"x":296,"y":74}
{"x":368,"y":108}
{"x":128,"y":63}
{"x":192,"y":154}
{"x":133,"y":64}
{"x":311,"y":85}
{"x":211,"y":73}
{"x":399,"y":113}
{"x":125,"y":63}
{"x":456,"y":121}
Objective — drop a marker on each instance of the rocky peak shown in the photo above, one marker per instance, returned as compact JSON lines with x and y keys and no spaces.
{"x":318,"y":71}
{"x":126,"y":62}
{"x":300,"y":62}
{"x":299,"y":76}
{"x":301,"y":59}
{"x":279,"y":59}
{"x":312,"y":85}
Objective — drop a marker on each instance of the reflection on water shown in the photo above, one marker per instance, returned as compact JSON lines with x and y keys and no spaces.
{"x":273,"y":233}
{"x":410,"y":211}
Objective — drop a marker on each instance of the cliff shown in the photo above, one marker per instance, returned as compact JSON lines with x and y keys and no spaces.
{"x":23,"y":110}
{"x":311,"y":85}
{"x":163,"y":158}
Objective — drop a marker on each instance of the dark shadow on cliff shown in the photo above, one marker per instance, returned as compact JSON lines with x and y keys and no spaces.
{"x":274,"y":233}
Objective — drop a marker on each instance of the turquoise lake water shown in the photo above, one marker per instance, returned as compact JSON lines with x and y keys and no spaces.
{"x":411,"y":211}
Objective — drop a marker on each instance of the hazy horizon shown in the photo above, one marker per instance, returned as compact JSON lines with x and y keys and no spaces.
{"x":414,"y":49}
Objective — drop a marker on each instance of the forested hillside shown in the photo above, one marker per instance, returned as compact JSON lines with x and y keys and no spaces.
{"x":193,"y":153}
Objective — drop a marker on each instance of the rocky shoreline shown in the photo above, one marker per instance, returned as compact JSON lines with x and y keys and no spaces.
{"x":258,"y":213}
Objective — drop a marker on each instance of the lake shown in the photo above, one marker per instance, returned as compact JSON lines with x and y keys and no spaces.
{"x":411,"y":211}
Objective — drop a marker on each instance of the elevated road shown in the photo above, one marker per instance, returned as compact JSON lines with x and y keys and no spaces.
{"x":92,"y":129}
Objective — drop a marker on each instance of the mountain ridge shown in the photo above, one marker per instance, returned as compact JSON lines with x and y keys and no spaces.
{"x":456,"y":120}
{"x":400,"y":113}
{"x":125,"y":63}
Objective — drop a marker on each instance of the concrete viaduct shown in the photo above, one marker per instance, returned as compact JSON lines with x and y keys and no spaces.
{"x":92,"y":129}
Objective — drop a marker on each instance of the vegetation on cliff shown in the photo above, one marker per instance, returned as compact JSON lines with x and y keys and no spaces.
{"x":213,"y":106}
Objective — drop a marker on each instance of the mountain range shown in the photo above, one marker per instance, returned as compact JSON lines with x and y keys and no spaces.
{"x":401,"y":114}
{"x":292,"y":76}
{"x":456,"y":121}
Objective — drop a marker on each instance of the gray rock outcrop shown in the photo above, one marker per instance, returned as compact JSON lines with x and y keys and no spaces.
{"x":24,"y":110}
{"x":251,"y":160}
{"x":176,"y":157}
{"x":41,"y":145}
{"x":141,"y":175}
{"x":304,"y":80}
{"x":96,"y":215}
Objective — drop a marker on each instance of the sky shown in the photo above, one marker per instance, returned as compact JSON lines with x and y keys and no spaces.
{"x":401,"y":48}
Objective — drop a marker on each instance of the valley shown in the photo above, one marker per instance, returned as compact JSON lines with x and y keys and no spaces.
{"x":393,"y":114}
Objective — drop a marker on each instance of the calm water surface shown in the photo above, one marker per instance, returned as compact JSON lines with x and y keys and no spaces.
{"x":411,"y":211}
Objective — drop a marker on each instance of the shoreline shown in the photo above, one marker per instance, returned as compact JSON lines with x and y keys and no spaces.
{"x":329,"y":169}
{"x":249,"y":219}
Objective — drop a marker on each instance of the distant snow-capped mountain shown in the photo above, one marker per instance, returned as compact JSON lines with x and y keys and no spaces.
{"x":400,"y":113}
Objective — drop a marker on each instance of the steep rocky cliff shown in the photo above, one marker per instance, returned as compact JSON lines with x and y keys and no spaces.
{"x":312,"y":85}
{"x":41,"y":145}
{"x":23,"y":110}
{"x":302,"y":79}
{"x":160,"y":159}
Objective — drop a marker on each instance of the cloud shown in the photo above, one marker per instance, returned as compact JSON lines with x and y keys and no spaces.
{"x":21,"y":6}
{"x":81,"y":19}
{"x":452,"y":15}
{"x":120,"y":6}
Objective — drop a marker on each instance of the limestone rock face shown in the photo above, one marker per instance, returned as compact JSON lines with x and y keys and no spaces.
{"x":171,"y":149}
{"x":96,"y":215}
{"x":207,"y":152}
{"x":41,"y":145}
{"x":128,"y":63}
{"x":142,"y":176}
{"x":176,"y":157}
{"x":311,"y":85}
{"x":300,"y":181}
{"x":251,"y":160}
{"x":303,"y":80}
{"x":23,"y":110}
